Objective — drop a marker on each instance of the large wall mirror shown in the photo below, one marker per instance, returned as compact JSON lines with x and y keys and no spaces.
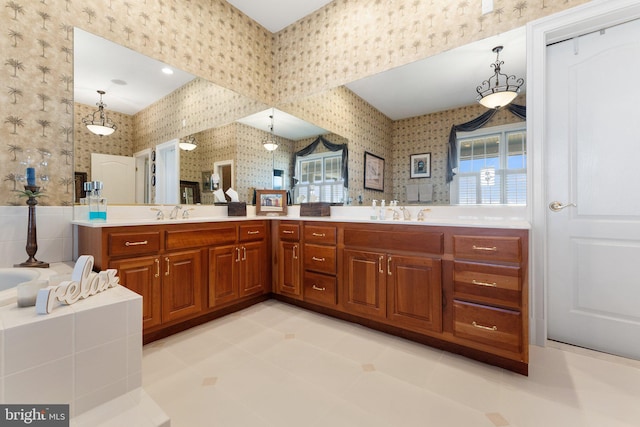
{"x":158,"y":113}
{"x":419,"y":102}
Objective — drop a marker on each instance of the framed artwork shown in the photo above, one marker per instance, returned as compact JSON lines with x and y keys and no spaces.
{"x":420,"y":165}
{"x":271,"y":202}
{"x":79,"y":179}
{"x":373,"y":172}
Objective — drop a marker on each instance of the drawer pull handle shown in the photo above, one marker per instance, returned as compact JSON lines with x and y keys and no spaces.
{"x":317,"y":234}
{"x":144,"y":242}
{"x":318,"y":259}
{"x":166,"y":273}
{"x":486,"y":328}
{"x":477,"y":282}
{"x":380,"y":261}
{"x":287,"y":231}
{"x":253,"y":232}
{"x":484,"y":248}
{"x":317,"y":288}
{"x":157,"y":261}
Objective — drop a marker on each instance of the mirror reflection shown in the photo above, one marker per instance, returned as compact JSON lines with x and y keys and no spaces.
{"x":411,"y":108}
{"x":192,"y":132}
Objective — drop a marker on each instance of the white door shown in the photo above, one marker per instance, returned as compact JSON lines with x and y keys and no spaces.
{"x":117,"y":174}
{"x":167,"y":177}
{"x":592,"y":160}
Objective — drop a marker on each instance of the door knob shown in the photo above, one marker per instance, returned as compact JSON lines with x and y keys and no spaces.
{"x":557,"y":206}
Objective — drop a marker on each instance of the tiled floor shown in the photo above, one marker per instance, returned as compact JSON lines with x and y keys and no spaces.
{"x":277,"y":365}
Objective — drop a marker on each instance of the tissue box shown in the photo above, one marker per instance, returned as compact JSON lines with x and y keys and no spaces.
{"x":237,"y":208}
{"x":315,"y":209}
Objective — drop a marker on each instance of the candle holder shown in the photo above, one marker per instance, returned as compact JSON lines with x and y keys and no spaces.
{"x":32,"y":192}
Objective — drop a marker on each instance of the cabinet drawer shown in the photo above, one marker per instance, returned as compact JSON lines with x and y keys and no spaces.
{"x":319,"y":288}
{"x":320,"y":258}
{"x":197,"y":238}
{"x":488,"y":248}
{"x":488,"y":283}
{"x":289,"y":232}
{"x":493,"y":327}
{"x":250,"y":232}
{"x":320,"y":234}
{"x":134,"y":243}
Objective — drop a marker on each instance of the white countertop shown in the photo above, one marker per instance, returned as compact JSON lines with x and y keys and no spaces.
{"x":455,"y":216}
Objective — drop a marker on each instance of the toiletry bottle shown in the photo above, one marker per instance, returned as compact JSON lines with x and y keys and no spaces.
{"x":382,"y":210}
{"x":97,"y":203}
{"x":374,"y":210}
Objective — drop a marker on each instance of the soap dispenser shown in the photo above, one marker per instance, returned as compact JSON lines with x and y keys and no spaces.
{"x":97,"y":203}
{"x":374,"y":209}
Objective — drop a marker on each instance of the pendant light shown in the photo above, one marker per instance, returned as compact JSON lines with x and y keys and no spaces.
{"x":500,"y":89}
{"x":270,"y":143}
{"x":98,"y":122}
{"x":188,"y":144}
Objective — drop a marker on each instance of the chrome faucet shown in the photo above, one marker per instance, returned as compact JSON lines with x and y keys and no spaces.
{"x":406,"y":213}
{"x":174,"y":212}
{"x":185,"y":213}
{"x":160,"y":214}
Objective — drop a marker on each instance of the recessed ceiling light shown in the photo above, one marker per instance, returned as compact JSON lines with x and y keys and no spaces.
{"x":167,"y":70}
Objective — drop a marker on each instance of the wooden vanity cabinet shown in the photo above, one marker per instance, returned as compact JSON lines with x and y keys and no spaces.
{"x":398,"y":280}
{"x":489,"y":300}
{"x":239,"y":269}
{"x":178,"y":268}
{"x":288,"y":259}
{"x":320,"y":263}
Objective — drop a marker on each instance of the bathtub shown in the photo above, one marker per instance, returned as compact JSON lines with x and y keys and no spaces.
{"x":12,"y":277}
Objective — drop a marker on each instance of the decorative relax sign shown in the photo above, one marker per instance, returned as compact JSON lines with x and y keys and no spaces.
{"x":84,"y":283}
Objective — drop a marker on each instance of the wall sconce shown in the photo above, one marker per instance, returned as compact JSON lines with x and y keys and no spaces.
{"x":98,"y":122}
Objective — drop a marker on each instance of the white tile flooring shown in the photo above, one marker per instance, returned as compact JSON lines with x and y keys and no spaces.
{"x":278,"y":365}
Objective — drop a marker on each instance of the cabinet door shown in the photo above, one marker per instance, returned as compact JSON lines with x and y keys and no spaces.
{"x":142,"y":276}
{"x":224,"y":270}
{"x":365,"y":287}
{"x":289,"y":269}
{"x":414,"y":287}
{"x":253,"y":269}
{"x":181,"y":285}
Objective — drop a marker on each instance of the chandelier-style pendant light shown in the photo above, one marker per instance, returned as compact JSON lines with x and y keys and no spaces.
{"x":188,"y":144}
{"x":500,"y":89}
{"x":98,"y":122}
{"x":270,"y":143}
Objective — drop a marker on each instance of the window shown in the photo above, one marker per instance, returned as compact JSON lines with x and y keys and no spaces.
{"x":492,"y":167}
{"x":320,"y":174}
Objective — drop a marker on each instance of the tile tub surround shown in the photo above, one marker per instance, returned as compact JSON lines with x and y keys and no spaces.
{"x":54,"y":232}
{"x":83,"y":354}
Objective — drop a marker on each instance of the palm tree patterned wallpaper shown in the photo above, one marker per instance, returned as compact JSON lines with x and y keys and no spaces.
{"x":343,"y":41}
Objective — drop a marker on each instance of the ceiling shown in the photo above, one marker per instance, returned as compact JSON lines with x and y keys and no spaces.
{"x":447,"y":80}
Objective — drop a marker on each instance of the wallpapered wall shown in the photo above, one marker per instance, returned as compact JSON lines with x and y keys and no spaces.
{"x":341,"y":42}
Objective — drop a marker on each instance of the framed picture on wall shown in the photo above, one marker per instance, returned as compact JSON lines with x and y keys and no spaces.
{"x":373,"y":172}
{"x":420,"y":165}
{"x":271,"y":202}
